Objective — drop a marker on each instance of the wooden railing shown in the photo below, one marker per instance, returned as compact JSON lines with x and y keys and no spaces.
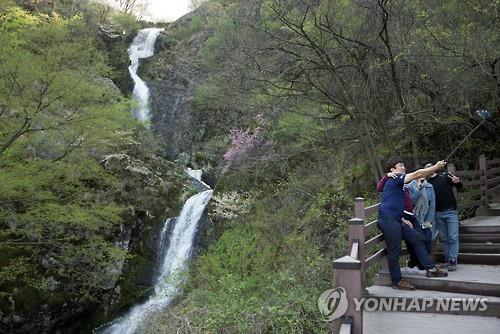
{"x":349,"y":271}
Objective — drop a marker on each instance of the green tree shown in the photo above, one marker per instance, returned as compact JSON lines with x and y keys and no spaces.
{"x":61,"y":212}
{"x":49,"y":81}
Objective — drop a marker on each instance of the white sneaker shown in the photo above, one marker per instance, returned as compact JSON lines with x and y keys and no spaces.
{"x":410,"y":271}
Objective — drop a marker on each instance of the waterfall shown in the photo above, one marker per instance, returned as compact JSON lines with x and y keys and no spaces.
{"x":197,"y":174}
{"x":142,"y":47}
{"x":175,"y":247}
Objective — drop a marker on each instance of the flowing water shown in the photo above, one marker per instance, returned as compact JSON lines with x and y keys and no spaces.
{"x":178,"y":235}
{"x":174,"y":249}
{"x":142,"y":46}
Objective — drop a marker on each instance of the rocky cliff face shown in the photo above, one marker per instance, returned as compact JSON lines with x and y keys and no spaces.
{"x":172,"y":75}
{"x":177,"y":69}
{"x":157,"y":188}
{"x":152,"y":189}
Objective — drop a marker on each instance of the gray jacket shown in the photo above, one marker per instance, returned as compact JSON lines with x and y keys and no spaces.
{"x":424,"y":201}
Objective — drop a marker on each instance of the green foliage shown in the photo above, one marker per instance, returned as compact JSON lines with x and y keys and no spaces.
{"x":183,"y":30}
{"x":340,"y":99}
{"x":57,"y":209}
{"x":250,"y":284}
{"x":125,"y":22}
{"x":63,"y":209}
{"x":50,"y":83}
{"x":338,"y":96}
{"x":303,"y":136}
{"x":341,"y":96}
{"x":271,"y":262}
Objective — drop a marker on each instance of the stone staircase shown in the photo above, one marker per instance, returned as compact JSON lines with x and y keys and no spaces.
{"x":449,"y":301}
{"x":479,"y":241}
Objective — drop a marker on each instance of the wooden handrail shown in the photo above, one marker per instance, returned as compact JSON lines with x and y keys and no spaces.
{"x":374,"y":241}
{"x":470,"y":204}
{"x":372,"y":209}
{"x":495,"y":188}
{"x":492,"y":162}
{"x":493,"y":180}
{"x":370,"y":226}
{"x":468,"y":183}
{"x":494,"y":170}
{"x":471,"y":193}
{"x":475,"y":172}
{"x":483,"y":168}
{"x":379,"y":255}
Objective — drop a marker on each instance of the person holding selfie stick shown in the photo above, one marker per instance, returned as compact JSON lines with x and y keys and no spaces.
{"x":446,"y":216}
{"x":395,"y":227}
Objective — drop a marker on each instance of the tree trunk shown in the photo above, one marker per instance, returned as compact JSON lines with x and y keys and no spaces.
{"x":407,"y":119}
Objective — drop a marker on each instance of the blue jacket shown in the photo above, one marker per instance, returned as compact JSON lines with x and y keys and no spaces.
{"x":416,"y":196}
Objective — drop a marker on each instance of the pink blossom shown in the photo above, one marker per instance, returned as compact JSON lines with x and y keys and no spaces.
{"x":244,"y":141}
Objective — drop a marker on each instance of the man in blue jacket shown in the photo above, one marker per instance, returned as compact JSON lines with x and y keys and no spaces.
{"x":395,"y":228}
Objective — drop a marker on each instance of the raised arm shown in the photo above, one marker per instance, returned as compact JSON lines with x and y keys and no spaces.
{"x":424,"y":172}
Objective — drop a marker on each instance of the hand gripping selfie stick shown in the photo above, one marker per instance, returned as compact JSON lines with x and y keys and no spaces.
{"x":484,"y":114}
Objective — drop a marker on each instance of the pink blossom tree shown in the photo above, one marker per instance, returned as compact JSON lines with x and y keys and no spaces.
{"x":245,"y":141}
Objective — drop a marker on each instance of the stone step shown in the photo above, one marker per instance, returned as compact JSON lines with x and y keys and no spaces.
{"x":433,"y":302}
{"x":490,"y":211}
{"x":475,"y":279}
{"x":493,"y":208}
{"x":473,"y":238}
{"x":418,"y":323}
{"x":481,"y":225}
{"x":482,"y":248}
{"x":480,"y":229}
{"x":472,"y":258}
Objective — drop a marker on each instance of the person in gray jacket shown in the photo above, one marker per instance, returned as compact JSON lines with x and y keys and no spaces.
{"x":424,"y":208}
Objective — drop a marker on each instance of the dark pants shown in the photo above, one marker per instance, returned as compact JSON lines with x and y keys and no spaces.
{"x":394,"y":231}
{"x":411,"y":252}
{"x":427,"y":239}
{"x":425,"y":236}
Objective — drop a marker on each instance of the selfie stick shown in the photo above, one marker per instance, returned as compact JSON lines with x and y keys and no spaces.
{"x":484,"y":114}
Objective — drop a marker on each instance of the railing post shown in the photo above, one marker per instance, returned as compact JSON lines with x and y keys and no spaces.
{"x":357,"y":230}
{"x":349,"y":276}
{"x":359,"y":208}
{"x":483,"y":176}
{"x":357,"y":233}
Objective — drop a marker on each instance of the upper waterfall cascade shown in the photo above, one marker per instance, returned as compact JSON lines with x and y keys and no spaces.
{"x":142,"y":47}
